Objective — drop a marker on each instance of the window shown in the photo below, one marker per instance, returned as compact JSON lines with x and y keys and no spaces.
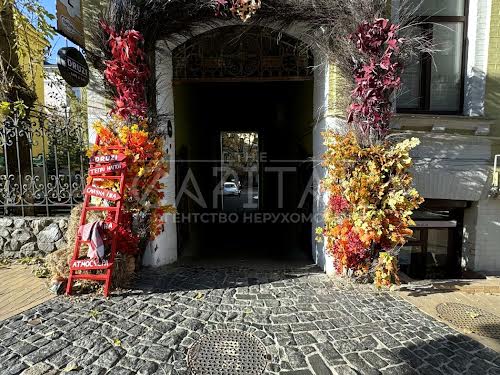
{"x":436,"y":84}
{"x":434,"y":250}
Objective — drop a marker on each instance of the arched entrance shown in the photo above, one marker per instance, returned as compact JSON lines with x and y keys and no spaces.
{"x":243,"y":99}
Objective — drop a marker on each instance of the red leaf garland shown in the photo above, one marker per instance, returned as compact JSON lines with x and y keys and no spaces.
{"x":127,"y":71}
{"x":376,"y":80}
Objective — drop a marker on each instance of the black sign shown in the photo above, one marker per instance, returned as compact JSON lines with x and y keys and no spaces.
{"x":73,"y":67}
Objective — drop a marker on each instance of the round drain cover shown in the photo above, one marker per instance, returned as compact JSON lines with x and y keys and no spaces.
{"x":470,"y":318}
{"x":227,"y":352}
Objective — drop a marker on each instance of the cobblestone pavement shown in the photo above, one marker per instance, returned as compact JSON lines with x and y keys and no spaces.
{"x":310,"y":324}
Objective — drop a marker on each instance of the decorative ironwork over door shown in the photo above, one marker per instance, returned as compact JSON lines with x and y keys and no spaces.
{"x":242,"y":52}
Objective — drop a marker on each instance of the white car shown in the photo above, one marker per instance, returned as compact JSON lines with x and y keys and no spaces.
{"x":230,"y":188}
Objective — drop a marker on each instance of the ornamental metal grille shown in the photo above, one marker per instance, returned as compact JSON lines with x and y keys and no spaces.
{"x":241,"y":52}
{"x":43,"y":164}
{"x":227,"y":352}
{"x":470,"y":318}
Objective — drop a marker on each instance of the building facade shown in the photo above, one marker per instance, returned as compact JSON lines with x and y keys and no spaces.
{"x":451,"y":102}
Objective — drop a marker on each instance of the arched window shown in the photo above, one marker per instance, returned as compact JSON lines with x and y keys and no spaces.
{"x":242,"y":53}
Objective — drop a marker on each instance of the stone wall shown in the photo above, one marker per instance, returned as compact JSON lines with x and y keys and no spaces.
{"x":31,"y":236}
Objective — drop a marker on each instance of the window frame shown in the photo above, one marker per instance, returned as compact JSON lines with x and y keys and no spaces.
{"x":426,"y":66}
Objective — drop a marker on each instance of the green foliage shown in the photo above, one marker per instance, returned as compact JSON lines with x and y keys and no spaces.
{"x":16,"y":109}
{"x":35,"y":14}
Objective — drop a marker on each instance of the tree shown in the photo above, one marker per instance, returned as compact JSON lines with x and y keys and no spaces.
{"x":22,"y":22}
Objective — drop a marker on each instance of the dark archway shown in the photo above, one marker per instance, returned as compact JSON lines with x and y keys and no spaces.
{"x":242,"y":80}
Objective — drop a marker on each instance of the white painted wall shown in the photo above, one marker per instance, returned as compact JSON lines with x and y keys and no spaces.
{"x":478,"y":30}
{"x":163,"y":250}
{"x":481,"y":250}
{"x":96,"y":103}
{"x":448,"y":166}
{"x":54,"y":88}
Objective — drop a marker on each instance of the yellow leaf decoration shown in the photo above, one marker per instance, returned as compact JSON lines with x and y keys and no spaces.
{"x":371,"y":199}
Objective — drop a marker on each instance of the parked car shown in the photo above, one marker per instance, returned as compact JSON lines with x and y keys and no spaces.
{"x":230,"y":188}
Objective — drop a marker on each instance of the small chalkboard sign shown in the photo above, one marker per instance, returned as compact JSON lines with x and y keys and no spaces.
{"x":73,"y":67}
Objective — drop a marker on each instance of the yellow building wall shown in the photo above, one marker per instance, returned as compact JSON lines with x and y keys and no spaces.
{"x":30,"y":51}
{"x":339,"y":93}
{"x":31,"y":54}
{"x":492,"y":104}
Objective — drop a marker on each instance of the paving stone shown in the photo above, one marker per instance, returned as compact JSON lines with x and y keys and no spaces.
{"x":373,"y":359}
{"x":359,"y":364}
{"x":304,"y":338}
{"x":147,"y":368}
{"x":40,"y":369}
{"x":15,"y":369}
{"x":331,"y":355}
{"x":157,"y":353}
{"x":117,"y":370}
{"x":431,"y":370}
{"x":318,"y":365}
{"x":399,"y":370}
{"x":310,"y":325}
{"x":22,"y":348}
{"x":108,"y":358}
{"x":295,"y":357}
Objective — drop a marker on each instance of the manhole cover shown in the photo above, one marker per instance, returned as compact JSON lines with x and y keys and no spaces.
{"x":470,"y":318}
{"x":227,"y":352}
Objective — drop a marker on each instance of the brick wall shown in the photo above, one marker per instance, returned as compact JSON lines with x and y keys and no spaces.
{"x":493,"y":73}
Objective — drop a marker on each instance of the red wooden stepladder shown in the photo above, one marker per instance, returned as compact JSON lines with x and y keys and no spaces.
{"x":102,"y":167}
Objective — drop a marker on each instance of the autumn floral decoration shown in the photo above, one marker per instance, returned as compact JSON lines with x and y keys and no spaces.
{"x":371,"y":198}
{"x":126,"y":72}
{"x":243,"y":9}
{"x":128,"y":129}
{"x":375,"y":79}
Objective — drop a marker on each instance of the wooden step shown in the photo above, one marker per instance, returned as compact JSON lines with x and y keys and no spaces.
{"x":87,"y":276}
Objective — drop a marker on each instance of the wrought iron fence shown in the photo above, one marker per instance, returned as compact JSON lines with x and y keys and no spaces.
{"x":43,"y":164}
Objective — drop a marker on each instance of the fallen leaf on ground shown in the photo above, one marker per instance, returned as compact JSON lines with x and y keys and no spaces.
{"x":199,"y":295}
{"x":72,"y":366}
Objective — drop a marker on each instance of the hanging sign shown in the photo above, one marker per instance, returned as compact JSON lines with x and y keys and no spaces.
{"x":73,"y":67}
{"x":82,"y":264}
{"x":70,"y":20}
{"x":109,"y":195}
{"x":97,"y":171}
{"x":109,"y":158}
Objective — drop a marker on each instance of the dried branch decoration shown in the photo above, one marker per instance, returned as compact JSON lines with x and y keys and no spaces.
{"x":324,"y":25}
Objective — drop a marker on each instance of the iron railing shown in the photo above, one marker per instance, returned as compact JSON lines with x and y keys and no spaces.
{"x":43,"y":164}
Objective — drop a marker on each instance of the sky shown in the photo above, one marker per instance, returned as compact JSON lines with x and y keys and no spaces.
{"x":58,"y":41}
